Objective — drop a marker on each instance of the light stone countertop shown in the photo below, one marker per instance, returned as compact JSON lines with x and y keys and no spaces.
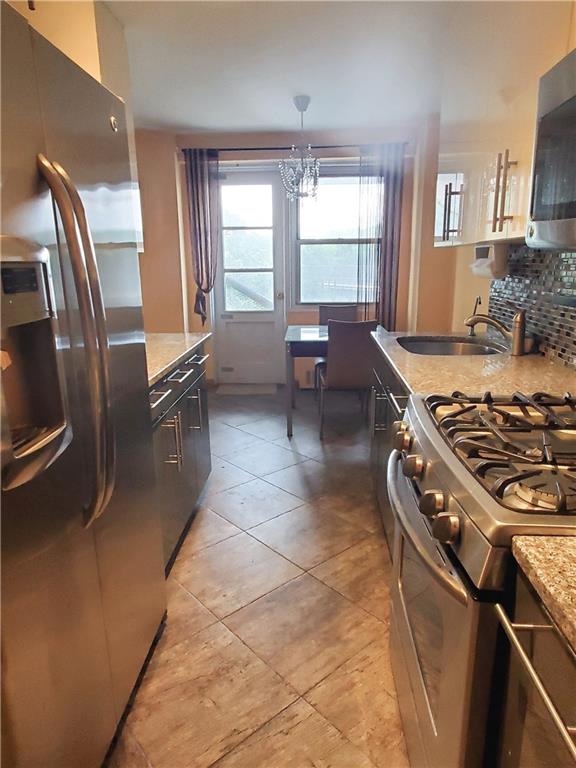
{"x":549,"y":562}
{"x":473,"y":374}
{"x":164,"y":351}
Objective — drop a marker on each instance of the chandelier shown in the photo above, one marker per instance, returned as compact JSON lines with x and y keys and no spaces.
{"x":300,"y":171}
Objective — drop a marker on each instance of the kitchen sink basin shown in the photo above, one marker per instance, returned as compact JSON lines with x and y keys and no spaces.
{"x":449,"y":345}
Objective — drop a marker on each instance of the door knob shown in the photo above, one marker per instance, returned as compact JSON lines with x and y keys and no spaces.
{"x":279,"y":295}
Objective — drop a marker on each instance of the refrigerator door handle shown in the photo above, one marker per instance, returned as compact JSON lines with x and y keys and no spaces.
{"x":97,"y":409}
{"x":101,"y":329}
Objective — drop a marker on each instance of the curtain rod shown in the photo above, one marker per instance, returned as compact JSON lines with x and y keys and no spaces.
{"x":286,"y":149}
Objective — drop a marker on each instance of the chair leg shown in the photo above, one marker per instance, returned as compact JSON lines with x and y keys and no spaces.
{"x":322,"y":404}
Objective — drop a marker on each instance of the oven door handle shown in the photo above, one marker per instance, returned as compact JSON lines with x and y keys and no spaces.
{"x":440,"y":576}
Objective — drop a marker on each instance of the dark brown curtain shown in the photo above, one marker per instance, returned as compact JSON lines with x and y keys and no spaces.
{"x":381,"y":176}
{"x":204,"y":213}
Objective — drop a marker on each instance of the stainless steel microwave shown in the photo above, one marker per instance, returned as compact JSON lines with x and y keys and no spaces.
{"x":552,"y":221}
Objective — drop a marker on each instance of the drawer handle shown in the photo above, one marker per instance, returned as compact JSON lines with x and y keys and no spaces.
{"x":198,"y":362}
{"x":180,"y":376}
{"x":163,"y":395}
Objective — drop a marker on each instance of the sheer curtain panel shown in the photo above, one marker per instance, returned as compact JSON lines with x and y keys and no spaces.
{"x":381,"y":175}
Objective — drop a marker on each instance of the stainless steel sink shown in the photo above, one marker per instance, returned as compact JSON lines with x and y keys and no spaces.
{"x":449,"y":345}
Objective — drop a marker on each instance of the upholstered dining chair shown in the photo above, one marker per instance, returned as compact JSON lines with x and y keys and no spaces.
{"x":348,"y":361}
{"x":327,"y":312}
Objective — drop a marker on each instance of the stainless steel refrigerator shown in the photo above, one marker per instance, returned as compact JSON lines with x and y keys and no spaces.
{"x":82,"y":568}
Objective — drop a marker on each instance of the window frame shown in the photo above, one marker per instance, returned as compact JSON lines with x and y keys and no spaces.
{"x":332,"y":171}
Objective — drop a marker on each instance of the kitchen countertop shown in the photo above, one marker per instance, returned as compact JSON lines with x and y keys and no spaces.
{"x":473,"y":374}
{"x":549,"y":562}
{"x":164,"y":351}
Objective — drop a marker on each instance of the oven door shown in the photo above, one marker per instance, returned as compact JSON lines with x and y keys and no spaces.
{"x":441,"y":669}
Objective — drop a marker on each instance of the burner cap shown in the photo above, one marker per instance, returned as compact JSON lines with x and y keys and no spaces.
{"x":553,"y":489}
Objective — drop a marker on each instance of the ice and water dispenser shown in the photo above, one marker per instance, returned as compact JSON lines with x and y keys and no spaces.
{"x":35,"y":426}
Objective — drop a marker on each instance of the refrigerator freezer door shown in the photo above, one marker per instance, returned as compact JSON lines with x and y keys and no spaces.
{"x":57,"y":702}
{"x":85,"y":130}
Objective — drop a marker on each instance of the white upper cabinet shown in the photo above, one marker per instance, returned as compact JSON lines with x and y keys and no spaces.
{"x":493,"y":58}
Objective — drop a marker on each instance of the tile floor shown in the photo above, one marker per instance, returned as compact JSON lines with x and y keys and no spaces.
{"x":275,"y":653}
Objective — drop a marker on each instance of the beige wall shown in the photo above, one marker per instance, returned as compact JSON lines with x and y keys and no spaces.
{"x":431,"y":278}
{"x":572,"y":35}
{"x":160,"y":263}
{"x":70,"y":26}
{"x":467,"y":287}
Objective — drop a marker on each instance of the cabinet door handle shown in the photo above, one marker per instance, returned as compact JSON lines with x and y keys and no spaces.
{"x":180,"y":438}
{"x":495,"y":209}
{"x":198,"y":398}
{"x":175,"y":424}
{"x":506,"y":166}
{"x":445,"y":215}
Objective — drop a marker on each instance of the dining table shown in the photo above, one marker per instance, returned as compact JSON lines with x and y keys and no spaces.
{"x":301,"y":341}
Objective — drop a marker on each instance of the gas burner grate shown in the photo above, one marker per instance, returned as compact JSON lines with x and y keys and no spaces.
{"x":522,"y":448}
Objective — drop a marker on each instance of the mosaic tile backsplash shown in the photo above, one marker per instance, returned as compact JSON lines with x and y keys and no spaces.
{"x":544,"y":284}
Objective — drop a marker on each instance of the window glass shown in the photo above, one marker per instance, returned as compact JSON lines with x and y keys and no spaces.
{"x":328,"y":272}
{"x":333,"y":213}
{"x":247,"y":248}
{"x":246,"y":205}
{"x":249,"y":291}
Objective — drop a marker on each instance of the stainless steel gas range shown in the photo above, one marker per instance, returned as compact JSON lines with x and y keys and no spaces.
{"x":467,"y":474}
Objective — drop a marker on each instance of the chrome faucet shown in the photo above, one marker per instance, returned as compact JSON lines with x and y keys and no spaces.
{"x":520,"y":342}
{"x":477,"y":303}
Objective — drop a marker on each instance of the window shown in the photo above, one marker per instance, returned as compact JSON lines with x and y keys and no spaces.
{"x":247,"y":247}
{"x":327,"y":242}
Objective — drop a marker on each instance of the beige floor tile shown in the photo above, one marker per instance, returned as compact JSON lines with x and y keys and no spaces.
{"x":186,"y":615}
{"x":226,"y":439}
{"x":359,"y":699}
{"x":252,"y":503}
{"x":202,"y":697}
{"x":207,"y":528}
{"x":296,"y":738}
{"x":307,"y":479}
{"x":304,"y":630}
{"x":269,"y":428}
{"x":223,"y":476}
{"x":128,"y":753}
{"x":233,"y":573}
{"x":307,"y":536}
{"x":354,"y":507}
{"x":361,"y":574}
{"x":263,"y":458}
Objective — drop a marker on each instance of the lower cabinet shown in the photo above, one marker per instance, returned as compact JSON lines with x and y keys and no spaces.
{"x":182,"y":459}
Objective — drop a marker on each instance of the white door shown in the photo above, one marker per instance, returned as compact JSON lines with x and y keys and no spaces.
{"x":249,"y":290}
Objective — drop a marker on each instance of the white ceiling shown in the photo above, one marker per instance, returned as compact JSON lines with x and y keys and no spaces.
{"x":235,"y":66}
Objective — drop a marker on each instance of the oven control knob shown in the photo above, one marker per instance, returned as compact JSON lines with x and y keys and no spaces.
{"x":413,"y":466}
{"x":446,"y":528}
{"x":402,"y":440}
{"x":399,"y":426}
{"x":432,"y":503}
